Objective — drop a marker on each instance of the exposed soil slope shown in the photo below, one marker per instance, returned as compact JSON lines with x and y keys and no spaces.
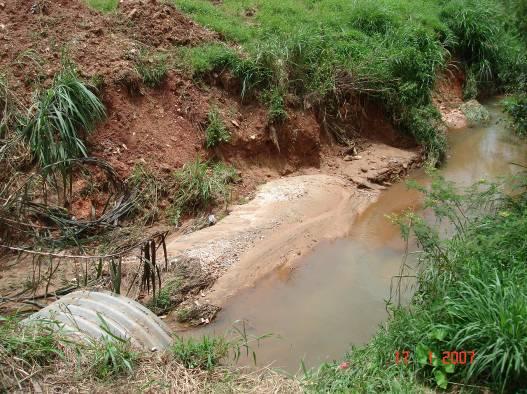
{"x":163,"y":128}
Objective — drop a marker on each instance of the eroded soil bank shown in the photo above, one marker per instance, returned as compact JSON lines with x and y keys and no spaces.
{"x":287,"y":218}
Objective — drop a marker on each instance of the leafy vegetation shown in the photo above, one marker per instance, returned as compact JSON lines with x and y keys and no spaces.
{"x":516,"y":107}
{"x":151,"y":68}
{"x":204,"y":354}
{"x":111,"y":355}
{"x":32,"y":344}
{"x":163,"y":300}
{"x":199,"y":184}
{"x":216,"y":131}
{"x":472,"y":296}
{"x":103,"y":5}
{"x":56,"y":121}
{"x":388,"y":52}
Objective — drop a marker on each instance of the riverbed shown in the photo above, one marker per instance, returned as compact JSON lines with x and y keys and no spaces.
{"x":335,"y":297}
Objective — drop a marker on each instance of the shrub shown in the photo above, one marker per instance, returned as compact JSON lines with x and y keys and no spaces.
{"x":216,"y":132}
{"x":516,"y":107}
{"x":199,"y":184}
{"x":206,"y":353}
{"x":63,"y":111}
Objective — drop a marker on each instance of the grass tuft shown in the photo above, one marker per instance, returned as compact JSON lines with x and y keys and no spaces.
{"x":200,"y":184}
{"x":216,"y":131}
{"x":60,"y":115}
{"x":103,"y":5}
{"x":206,"y":353}
{"x":151,"y":68}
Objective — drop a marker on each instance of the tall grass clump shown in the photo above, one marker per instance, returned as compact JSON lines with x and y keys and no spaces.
{"x":203,"y":59}
{"x":110,"y":355}
{"x":60,"y":118}
{"x":216,"y":132}
{"x":471,"y":296}
{"x":152,"y":68}
{"x":200,"y":184}
{"x":206,"y":353}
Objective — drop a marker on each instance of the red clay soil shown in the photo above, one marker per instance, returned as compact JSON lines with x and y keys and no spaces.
{"x":163,"y":127}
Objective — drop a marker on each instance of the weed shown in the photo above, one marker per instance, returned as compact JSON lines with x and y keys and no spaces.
{"x":199,"y":184}
{"x":216,"y":132}
{"x":470,"y":87}
{"x":183,"y":314}
{"x":111,"y":355}
{"x":60,"y":114}
{"x":201,"y":60}
{"x":36,"y":344}
{"x":148,"y":189}
{"x":277,"y":112}
{"x":152,"y":68}
{"x":206,"y":353}
{"x":163,"y":301}
{"x":425,"y":125}
{"x":476,"y":113}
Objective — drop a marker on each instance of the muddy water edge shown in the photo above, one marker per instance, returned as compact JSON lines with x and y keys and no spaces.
{"x":336,"y":296}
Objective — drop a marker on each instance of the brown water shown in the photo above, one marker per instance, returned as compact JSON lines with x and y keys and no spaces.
{"x":336,"y":297}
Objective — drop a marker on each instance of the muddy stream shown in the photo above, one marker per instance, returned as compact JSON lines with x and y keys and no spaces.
{"x":336,"y":295}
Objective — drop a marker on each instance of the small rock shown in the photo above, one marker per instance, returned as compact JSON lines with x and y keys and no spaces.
{"x":357,"y":157}
{"x":252,"y":137}
{"x":405,"y":166}
{"x":211,"y":220}
{"x":363,"y":169}
{"x":348,"y":158}
{"x":235,"y":123}
{"x":154,"y":349}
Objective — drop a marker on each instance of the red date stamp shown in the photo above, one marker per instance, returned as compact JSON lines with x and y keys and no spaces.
{"x":462,"y":357}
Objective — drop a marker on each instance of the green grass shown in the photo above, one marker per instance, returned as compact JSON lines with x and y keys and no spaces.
{"x":60,"y":116}
{"x":103,"y":5}
{"x":472,"y":295}
{"x":200,"y":184}
{"x":387,"y":51}
{"x":162,"y":303}
{"x":110,"y":357}
{"x":206,"y":353}
{"x":35,"y":345}
{"x":152,"y":68}
{"x":216,"y":131}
